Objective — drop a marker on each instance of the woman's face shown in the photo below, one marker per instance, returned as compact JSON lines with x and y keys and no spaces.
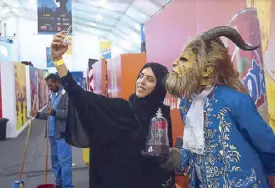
{"x":145,"y":83}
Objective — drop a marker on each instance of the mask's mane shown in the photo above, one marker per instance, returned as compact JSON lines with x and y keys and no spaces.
{"x":215,"y":53}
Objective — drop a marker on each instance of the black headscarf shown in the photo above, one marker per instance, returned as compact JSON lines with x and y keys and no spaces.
{"x":145,"y":108}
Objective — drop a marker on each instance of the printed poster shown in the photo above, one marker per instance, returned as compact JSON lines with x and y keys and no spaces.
{"x":105,"y":49}
{"x":34,"y":86}
{"x":54,"y":16}
{"x":265,"y":13}
{"x":250,"y":63}
{"x":20,"y":92}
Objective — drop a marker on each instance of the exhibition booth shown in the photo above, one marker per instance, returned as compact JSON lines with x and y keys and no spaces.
{"x":166,"y":33}
{"x":20,"y":84}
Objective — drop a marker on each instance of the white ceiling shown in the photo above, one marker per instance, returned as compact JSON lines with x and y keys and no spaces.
{"x":115,"y":20}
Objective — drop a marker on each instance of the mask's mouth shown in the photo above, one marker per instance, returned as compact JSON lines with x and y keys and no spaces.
{"x":174,"y":73}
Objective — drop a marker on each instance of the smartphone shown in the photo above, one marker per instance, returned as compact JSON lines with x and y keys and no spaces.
{"x":68,"y":31}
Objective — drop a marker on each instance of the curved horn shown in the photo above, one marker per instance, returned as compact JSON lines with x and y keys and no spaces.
{"x":229,"y":33}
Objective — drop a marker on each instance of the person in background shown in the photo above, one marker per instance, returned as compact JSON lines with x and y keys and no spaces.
{"x":61,"y":152}
{"x":117,"y":129}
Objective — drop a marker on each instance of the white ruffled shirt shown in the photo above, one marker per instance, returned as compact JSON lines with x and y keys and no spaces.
{"x":193,"y":139}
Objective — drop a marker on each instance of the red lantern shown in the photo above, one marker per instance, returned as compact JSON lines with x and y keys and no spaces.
{"x":157,"y":141}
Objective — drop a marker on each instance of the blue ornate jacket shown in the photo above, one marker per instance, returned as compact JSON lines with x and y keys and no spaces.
{"x":240,"y":146}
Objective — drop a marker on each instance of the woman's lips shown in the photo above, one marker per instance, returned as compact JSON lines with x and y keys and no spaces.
{"x":140,"y":88}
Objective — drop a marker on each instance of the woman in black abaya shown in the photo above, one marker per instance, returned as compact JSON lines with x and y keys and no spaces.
{"x":116,"y":130}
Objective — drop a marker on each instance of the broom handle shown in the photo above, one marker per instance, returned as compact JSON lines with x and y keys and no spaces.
{"x":26,"y":143}
{"x":47,"y":154}
{"x":25,"y":151}
{"x":47,"y":149}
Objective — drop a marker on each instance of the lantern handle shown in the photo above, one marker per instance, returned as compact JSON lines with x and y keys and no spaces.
{"x":159,"y":113}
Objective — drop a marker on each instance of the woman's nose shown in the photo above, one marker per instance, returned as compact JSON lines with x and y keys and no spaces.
{"x":142,"y":81}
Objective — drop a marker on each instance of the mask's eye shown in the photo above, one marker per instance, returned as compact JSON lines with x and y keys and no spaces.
{"x":183,"y":59}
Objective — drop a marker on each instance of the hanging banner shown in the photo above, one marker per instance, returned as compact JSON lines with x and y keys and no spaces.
{"x":54,"y":16}
{"x":105,"y":49}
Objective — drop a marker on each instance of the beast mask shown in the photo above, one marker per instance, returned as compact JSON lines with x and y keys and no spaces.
{"x":205,"y":61}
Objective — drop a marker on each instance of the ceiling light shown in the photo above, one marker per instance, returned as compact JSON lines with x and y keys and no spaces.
{"x":32,"y":1}
{"x":93,"y":24}
{"x":99,"y":17}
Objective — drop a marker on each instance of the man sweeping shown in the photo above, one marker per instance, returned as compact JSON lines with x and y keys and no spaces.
{"x":61,"y":152}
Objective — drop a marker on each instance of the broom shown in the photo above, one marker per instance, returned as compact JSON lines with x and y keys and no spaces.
{"x":20,"y":183}
{"x":46,"y":185}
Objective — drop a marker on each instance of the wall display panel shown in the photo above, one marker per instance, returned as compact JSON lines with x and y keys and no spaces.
{"x":21,"y":95}
{"x":34,"y":85}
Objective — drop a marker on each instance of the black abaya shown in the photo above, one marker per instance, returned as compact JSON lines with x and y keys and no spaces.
{"x":111,"y":128}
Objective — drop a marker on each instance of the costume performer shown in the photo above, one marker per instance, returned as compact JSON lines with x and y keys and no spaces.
{"x":116,"y":129}
{"x":226,"y":142}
